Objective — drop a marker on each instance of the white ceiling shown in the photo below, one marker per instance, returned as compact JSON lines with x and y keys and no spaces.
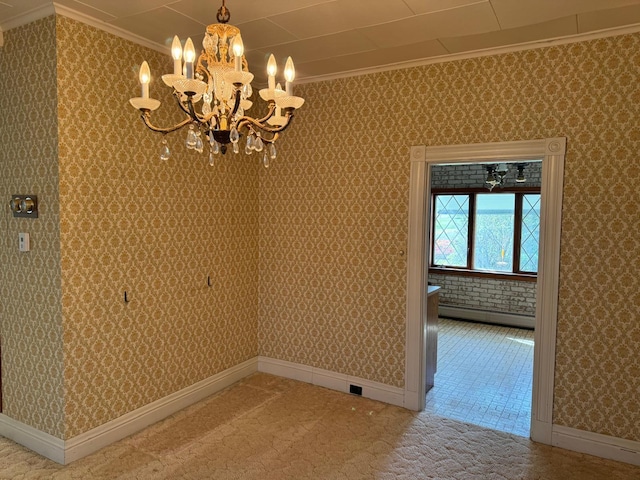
{"x":331,"y":37}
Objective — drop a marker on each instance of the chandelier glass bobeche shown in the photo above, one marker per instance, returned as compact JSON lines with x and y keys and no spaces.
{"x":214,"y":94}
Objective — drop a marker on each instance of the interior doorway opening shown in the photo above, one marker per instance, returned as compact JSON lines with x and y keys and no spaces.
{"x":483,"y":255}
{"x":551,"y":152}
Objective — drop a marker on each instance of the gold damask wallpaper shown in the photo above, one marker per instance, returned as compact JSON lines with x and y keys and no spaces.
{"x":74,"y":354}
{"x":333,"y":213}
{"x":30,"y":307}
{"x":130,"y":221}
{"x":307,"y":259}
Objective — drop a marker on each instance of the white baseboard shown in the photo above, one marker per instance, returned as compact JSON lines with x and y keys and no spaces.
{"x":508,"y":319}
{"x":627,"y":451}
{"x":332,"y":380}
{"x":541,"y":432}
{"x":65,"y":452}
{"x":40,"y":442}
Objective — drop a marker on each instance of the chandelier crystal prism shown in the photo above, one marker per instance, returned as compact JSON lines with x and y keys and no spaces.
{"x":214,"y":91}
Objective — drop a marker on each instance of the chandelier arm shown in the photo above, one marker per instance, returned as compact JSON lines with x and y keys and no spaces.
{"x":272,"y":109}
{"x":236,"y":105}
{"x":192,"y":110}
{"x":250,"y":122}
{"x":146,"y":118}
{"x":180,"y":104}
{"x":272,"y":139}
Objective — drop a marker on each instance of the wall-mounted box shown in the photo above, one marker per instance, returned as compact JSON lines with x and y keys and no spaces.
{"x":24,"y":206}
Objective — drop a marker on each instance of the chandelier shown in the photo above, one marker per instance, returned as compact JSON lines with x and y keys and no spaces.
{"x":496,"y":174}
{"x":214,"y":94}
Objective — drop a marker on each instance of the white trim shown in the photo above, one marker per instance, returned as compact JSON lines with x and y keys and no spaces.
{"x":332,"y":380}
{"x":604,"y":446}
{"x":416,"y":337}
{"x":552,"y":152}
{"x":500,"y":318}
{"x":65,"y":452}
{"x":487,"y":52}
{"x":544,"y":355}
{"x":55,"y":8}
{"x":40,"y":442}
{"x":28,"y":17}
{"x":107,"y":27}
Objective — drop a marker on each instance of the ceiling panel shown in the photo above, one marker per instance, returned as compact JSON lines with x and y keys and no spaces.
{"x":262,"y":33}
{"x":160,"y":25}
{"x":241,"y":10}
{"x":125,"y":8}
{"x":329,"y":46}
{"x":554,"y":28}
{"x":471,"y":19}
{"x":12,"y":8}
{"x":390,"y":56}
{"x":430,"y":6}
{"x":362,"y":13}
{"x":315,"y":21}
{"x":344,"y":34}
{"x":512,"y":13}
{"x":317,"y":68}
{"x":616,"y":17}
{"x":340,"y":15}
{"x":87,"y":10}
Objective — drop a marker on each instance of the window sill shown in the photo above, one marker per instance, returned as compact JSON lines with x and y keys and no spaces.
{"x":523,"y":277}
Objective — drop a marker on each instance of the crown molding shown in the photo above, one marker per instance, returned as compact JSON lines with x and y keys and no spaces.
{"x":28,"y":17}
{"x":107,"y":27}
{"x":55,"y":8}
{"x":487,"y":52}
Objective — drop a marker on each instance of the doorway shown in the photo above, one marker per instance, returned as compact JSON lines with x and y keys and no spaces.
{"x":483,"y":254}
{"x":551,"y":151}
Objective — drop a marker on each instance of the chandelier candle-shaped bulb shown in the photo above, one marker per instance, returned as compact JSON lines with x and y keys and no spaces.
{"x":145,"y":77}
{"x":238,"y":51}
{"x":189,"y":58}
{"x":278,"y":109}
{"x":176,"y":53}
{"x":272,"y":69}
{"x":289,"y":76}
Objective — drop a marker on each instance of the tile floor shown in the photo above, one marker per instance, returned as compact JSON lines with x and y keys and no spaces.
{"x":484,"y":376}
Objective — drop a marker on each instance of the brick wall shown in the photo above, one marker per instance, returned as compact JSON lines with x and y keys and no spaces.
{"x":504,"y":296}
{"x":474,"y":176}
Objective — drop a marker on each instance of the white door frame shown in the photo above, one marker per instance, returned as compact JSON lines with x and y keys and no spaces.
{"x":551,"y":151}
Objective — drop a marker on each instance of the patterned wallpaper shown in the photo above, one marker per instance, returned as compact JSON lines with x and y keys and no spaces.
{"x":307,"y":259}
{"x":333,"y":213}
{"x":30,"y":309}
{"x":130,"y":221}
{"x":124,"y":221}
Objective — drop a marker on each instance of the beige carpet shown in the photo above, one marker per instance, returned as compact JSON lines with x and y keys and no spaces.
{"x":269,"y":428}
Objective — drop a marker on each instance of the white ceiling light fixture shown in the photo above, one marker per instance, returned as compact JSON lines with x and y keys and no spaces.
{"x":496,"y":175}
{"x":214,"y":90}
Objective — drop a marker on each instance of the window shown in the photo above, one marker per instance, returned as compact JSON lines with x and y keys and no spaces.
{"x":486,"y":232}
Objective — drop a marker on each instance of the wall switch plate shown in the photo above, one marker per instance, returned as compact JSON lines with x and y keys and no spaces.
{"x":24,"y":243}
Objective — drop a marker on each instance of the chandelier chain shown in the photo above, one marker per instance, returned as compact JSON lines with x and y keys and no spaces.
{"x":224,"y":15}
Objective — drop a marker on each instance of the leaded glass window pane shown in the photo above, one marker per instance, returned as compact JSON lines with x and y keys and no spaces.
{"x":530,"y":236}
{"x":451,"y":230}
